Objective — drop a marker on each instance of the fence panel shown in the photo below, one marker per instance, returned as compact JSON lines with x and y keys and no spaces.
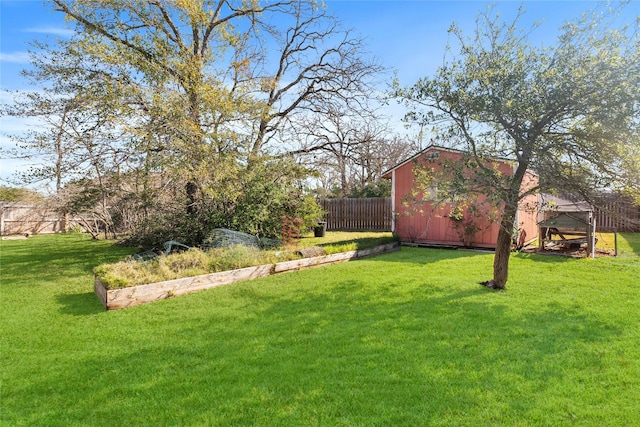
{"x":17,"y":218}
{"x":617,"y":213}
{"x":375,"y":214}
{"x":372,"y":214}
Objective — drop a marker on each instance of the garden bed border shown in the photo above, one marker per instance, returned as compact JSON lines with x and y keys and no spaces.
{"x":114,"y":299}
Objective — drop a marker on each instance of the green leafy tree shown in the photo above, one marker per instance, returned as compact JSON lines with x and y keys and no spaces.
{"x":165,"y":59}
{"x":195,"y":96}
{"x":569,"y":111}
{"x":19,"y":194}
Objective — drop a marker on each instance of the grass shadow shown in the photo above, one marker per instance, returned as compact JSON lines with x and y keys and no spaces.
{"x":456,"y":345}
{"x":82,"y":304}
{"x":545,"y":258}
{"x":361,"y":240}
{"x":430,"y":255}
{"x":362,"y":243}
{"x":353,"y":356}
{"x":629,"y":242}
{"x":51,"y":256}
{"x":362,"y":343}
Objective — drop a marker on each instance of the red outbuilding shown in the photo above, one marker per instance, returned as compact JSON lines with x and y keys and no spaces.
{"x":423,"y":215}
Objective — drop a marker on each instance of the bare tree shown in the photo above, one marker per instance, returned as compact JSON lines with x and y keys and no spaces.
{"x":320,"y":67}
{"x":350,"y":149}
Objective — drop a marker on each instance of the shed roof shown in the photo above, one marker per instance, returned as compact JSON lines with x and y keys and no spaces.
{"x":387,"y":174}
{"x":558,"y":204}
{"x":564,"y":220}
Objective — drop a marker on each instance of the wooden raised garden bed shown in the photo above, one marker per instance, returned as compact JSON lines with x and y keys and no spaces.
{"x":113,"y":299}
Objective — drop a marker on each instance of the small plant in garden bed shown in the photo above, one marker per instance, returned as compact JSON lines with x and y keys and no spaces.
{"x":195,"y":261}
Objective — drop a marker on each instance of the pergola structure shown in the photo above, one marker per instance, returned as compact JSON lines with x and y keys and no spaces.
{"x":567,"y":224}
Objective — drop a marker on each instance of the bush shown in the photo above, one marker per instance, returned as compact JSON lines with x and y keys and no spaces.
{"x":252,"y":200}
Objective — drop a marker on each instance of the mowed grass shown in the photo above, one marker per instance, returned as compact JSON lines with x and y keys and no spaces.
{"x":403,"y":339}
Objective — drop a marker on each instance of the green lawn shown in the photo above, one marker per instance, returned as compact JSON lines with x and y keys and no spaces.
{"x":403,"y":339}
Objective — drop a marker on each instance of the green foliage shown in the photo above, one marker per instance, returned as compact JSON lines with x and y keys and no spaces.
{"x":381,"y":188}
{"x":231,"y":195}
{"x":16,"y":194}
{"x":465,"y":219}
{"x":406,"y":338}
{"x":75,"y":229}
{"x":567,"y":111}
{"x":271,"y":190}
{"x":166,"y":111}
{"x":83,"y":195}
{"x":159,"y":227}
{"x":310,"y":212}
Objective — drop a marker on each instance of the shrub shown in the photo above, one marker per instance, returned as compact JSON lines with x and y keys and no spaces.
{"x":251,"y":200}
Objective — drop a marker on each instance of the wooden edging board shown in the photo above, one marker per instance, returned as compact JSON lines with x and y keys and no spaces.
{"x":113,"y":299}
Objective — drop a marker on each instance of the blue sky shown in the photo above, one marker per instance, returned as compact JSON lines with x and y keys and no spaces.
{"x":407,"y":36}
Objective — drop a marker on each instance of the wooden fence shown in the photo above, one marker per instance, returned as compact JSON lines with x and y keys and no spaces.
{"x":613,"y":213}
{"x":617,"y":213}
{"x":373,"y":214}
{"x":21,"y":218}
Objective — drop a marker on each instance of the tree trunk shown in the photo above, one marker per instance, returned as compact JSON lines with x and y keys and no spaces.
{"x":507,"y":224}
{"x":191,"y":189}
{"x":501,"y":258}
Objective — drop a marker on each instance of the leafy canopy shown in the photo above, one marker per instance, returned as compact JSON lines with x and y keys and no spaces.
{"x":568,"y":111}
